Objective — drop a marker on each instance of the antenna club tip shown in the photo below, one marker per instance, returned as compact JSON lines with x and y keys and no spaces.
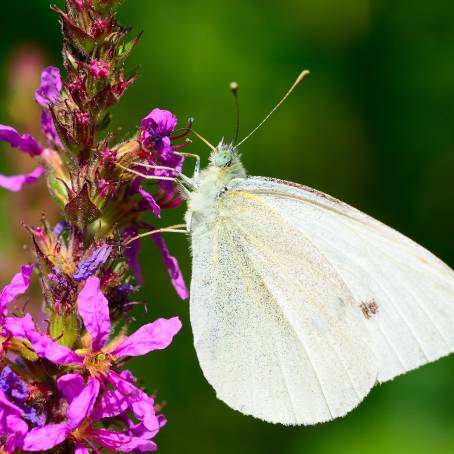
{"x":303,"y":75}
{"x":234,"y":86}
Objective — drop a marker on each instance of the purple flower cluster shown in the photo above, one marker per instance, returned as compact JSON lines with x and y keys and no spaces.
{"x":64,"y":381}
{"x":90,"y":388}
{"x":46,"y":94}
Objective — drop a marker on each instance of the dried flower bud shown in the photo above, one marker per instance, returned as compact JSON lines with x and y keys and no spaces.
{"x":83,"y":130}
{"x":99,"y":69}
{"x":77,"y":88}
{"x":100,"y":27}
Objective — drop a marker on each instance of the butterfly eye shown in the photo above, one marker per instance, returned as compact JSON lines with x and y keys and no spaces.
{"x":223,"y":159}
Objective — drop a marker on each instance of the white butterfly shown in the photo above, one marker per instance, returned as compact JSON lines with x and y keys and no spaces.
{"x":301,"y":303}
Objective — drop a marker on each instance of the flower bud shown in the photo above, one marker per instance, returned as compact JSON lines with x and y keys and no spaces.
{"x":99,"y":69}
{"x":101,"y":26}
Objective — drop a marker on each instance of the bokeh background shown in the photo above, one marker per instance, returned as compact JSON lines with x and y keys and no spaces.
{"x":372,"y":125}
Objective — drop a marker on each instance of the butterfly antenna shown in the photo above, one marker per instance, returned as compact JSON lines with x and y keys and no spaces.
{"x":300,"y":78}
{"x":234,"y":89}
{"x":205,"y":141}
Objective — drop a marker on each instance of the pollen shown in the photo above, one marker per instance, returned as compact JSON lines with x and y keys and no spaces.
{"x":79,"y":433}
{"x":98,"y":363}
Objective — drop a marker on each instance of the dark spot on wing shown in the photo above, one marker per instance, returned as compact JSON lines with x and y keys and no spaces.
{"x":369,"y":308}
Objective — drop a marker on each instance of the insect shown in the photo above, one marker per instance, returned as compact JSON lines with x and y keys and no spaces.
{"x":300,"y":303}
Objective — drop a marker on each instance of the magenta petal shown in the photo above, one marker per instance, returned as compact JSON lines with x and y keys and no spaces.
{"x":160,"y":122}
{"x":18,"y":285}
{"x":137,"y":444}
{"x":172,"y":266}
{"x":14,"y":327}
{"x":81,"y":450}
{"x":51,"y":85}
{"x":70,"y":386}
{"x":16,"y":429}
{"x":121,"y":442}
{"x":24,"y":142}
{"x":140,"y":403}
{"x":132,"y":252}
{"x":82,"y":405}
{"x":149,"y":203}
{"x":59,"y":354}
{"x":94,"y":311}
{"x":48,"y":129}
{"x":45,"y":347}
{"x":153,"y":336}
{"x":112,"y":403}
{"x":109,"y":439}
{"x":15,"y":183}
{"x":144,"y":411}
{"x":45,"y":437}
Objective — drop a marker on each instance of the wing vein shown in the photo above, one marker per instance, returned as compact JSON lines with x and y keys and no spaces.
{"x":290,"y":324}
{"x":253,"y":240}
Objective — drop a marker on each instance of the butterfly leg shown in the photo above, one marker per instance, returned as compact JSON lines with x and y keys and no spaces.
{"x":178,"y":175}
{"x":147,"y":177}
{"x":177,"y":228}
{"x":197,"y":162}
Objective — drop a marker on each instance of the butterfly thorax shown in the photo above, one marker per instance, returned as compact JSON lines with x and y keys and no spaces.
{"x":214,"y":181}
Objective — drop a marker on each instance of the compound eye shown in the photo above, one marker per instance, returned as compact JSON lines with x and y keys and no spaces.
{"x":223,"y":160}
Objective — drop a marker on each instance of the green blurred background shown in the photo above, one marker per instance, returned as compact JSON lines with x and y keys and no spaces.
{"x":372,"y":125}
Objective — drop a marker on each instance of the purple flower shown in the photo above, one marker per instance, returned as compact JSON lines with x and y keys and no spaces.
{"x":59,"y":228}
{"x":176,"y":276}
{"x":99,"y":360}
{"x":47,"y":95}
{"x":149,"y":203}
{"x":48,"y":128}
{"x":81,"y":401}
{"x":11,"y":424}
{"x":89,"y":265}
{"x":156,"y":129}
{"x":87,"y":407}
{"x":27,"y":144}
{"x":18,"y":285}
{"x":24,"y":142}
{"x":16,"y":391}
{"x":132,"y":252}
{"x":15,"y":183}
{"x":51,"y":85}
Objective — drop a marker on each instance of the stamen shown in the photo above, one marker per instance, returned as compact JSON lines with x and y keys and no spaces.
{"x":185,"y":131}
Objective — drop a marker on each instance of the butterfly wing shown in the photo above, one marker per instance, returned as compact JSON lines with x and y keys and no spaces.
{"x":405,"y":293}
{"x":276,"y":330}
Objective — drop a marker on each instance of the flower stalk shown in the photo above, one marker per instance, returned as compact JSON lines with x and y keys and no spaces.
{"x":63,"y":383}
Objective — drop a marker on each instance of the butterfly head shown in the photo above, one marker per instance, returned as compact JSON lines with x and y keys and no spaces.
{"x":224,"y":155}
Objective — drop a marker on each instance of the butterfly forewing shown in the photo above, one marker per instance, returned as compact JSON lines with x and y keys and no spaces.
{"x":405,"y":293}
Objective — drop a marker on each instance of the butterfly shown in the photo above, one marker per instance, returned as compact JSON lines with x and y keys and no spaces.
{"x":299,"y":303}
